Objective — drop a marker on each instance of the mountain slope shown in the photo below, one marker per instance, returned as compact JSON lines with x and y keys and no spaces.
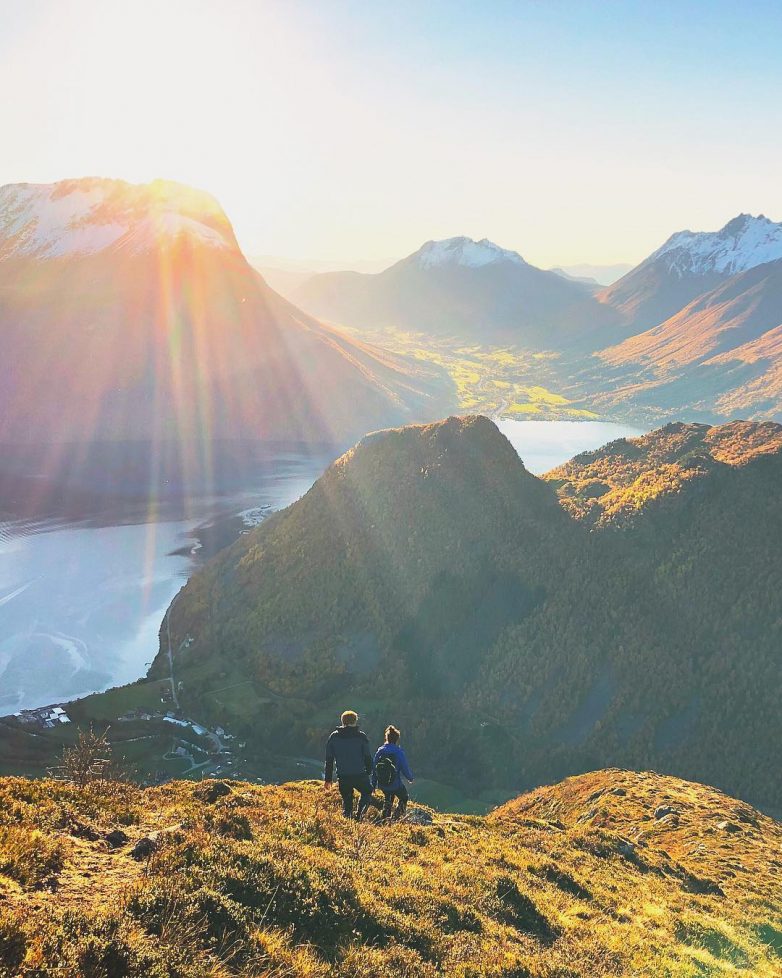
{"x":428,"y":577}
{"x":690,"y":264}
{"x":248,"y":880}
{"x":719,"y":355}
{"x":129,"y":312}
{"x":472,"y":290}
{"x":614,"y":484}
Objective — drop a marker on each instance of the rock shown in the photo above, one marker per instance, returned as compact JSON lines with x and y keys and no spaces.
{"x":662,"y":810}
{"x":619,"y":791}
{"x":116,"y":838}
{"x":587,"y":816}
{"x":83,"y":830}
{"x":144,"y":848}
{"x":210,"y":791}
{"x":626,"y":848}
{"x":419,"y":816}
{"x":729,"y":827}
{"x":700,"y":885}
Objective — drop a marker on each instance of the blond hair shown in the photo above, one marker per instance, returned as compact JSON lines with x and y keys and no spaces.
{"x":349,"y":718}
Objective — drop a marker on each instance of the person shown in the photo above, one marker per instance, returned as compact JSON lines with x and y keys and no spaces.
{"x":388,"y":767}
{"x":348,"y":748}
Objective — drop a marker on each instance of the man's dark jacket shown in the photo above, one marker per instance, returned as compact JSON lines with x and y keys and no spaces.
{"x":349,"y":747}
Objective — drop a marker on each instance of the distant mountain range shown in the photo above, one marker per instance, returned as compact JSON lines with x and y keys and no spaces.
{"x":623,"y":610}
{"x":600,"y":274}
{"x":129,"y":312}
{"x":138,"y":302}
{"x":695,"y":328}
{"x":704,"y":327}
{"x":474,"y":291}
{"x":285,"y":275}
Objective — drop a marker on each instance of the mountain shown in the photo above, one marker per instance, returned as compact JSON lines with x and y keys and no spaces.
{"x":285,"y":275}
{"x":472,"y":290}
{"x":602,"y":274}
{"x":129,"y":313}
{"x":613,"y":873}
{"x":616,"y":483}
{"x":690,"y":264}
{"x":429,"y":578}
{"x":586,"y":280}
{"x":718,"y":356}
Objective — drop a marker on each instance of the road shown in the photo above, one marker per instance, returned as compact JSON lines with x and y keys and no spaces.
{"x":174,"y":693}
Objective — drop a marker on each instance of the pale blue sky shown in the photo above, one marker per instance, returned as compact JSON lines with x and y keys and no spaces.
{"x":568,"y":130}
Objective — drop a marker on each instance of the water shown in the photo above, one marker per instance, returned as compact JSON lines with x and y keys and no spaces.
{"x":83,"y":590}
{"x":542,"y":445}
{"x":82,"y":598}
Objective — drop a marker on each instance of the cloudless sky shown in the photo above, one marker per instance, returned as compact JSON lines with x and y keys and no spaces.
{"x":568,"y":130}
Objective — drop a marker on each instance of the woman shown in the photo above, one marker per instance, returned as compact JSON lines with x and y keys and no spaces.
{"x":388,"y":767}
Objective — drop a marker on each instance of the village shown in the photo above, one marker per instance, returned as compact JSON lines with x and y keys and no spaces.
{"x":199,"y":750}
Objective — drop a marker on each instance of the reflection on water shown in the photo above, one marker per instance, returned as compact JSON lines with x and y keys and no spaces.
{"x":86,"y":574}
{"x":83,"y":592}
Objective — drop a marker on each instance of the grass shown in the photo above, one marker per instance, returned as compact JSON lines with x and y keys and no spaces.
{"x":491,"y":380}
{"x":143,"y":695}
{"x":569,"y":881}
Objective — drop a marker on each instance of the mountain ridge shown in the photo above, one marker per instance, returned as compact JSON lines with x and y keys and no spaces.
{"x":689,"y":265}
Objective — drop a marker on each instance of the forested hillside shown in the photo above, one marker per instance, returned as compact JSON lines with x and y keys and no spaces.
{"x":616,"y":482}
{"x":428,"y":579}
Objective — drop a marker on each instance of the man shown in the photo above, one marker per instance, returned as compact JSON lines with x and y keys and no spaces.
{"x":348,"y":747}
{"x":388,"y":767}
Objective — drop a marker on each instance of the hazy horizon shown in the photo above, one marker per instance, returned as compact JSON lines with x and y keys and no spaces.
{"x":572,"y":133}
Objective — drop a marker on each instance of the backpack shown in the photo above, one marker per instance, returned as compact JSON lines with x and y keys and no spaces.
{"x":385,"y":769}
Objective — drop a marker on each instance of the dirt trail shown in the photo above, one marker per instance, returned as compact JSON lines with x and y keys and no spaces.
{"x":92,"y":869}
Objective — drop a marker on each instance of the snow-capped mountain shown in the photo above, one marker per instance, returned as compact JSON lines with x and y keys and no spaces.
{"x":75,"y":218}
{"x":743,"y":243}
{"x":689,"y":264}
{"x":463,"y":251}
{"x":471,"y":290}
{"x":718,"y":357}
{"x":130,"y":312}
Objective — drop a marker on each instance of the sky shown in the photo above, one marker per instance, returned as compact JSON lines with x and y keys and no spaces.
{"x":568,"y":130}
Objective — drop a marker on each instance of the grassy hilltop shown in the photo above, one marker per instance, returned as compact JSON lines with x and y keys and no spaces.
{"x":608,"y":874}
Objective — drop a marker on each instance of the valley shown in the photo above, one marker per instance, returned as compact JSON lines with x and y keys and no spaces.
{"x":390,"y":511}
{"x":496,"y":381}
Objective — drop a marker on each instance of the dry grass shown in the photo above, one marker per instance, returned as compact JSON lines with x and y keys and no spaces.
{"x":576,"y":880}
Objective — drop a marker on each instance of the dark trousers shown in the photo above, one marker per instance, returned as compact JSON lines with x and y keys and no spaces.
{"x":359,"y":783}
{"x":401,"y":796}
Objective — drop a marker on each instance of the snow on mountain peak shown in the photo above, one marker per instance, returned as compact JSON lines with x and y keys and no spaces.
{"x":463,"y":251}
{"x":83,"y":217}
{"x":743,"y":243}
